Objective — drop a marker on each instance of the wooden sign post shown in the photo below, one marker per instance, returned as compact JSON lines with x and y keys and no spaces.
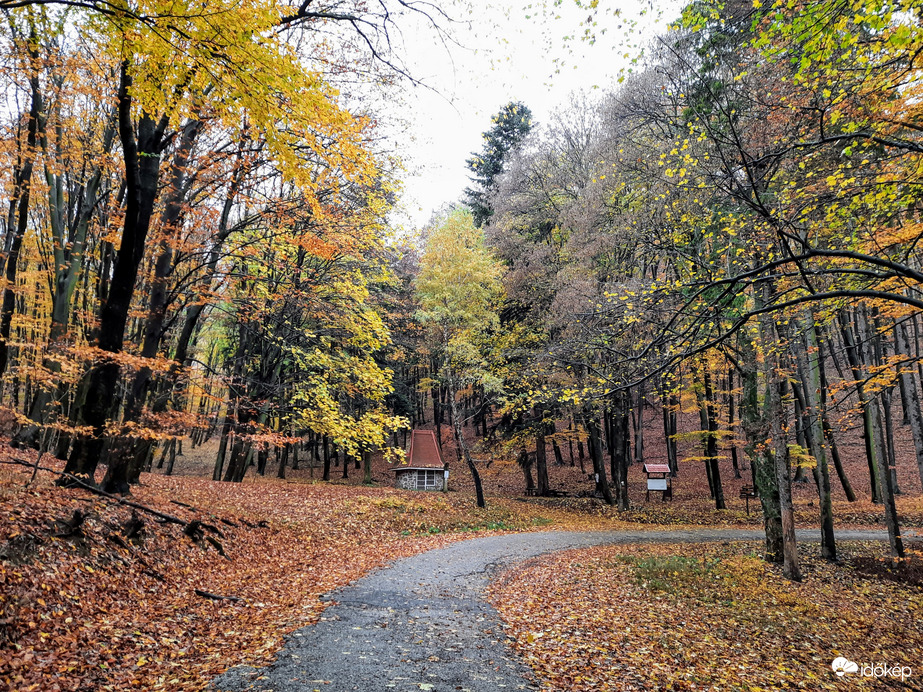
{"x":659,"y":481}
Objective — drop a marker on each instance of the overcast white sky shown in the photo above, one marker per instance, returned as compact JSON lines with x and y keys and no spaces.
{"x":506,"y":52}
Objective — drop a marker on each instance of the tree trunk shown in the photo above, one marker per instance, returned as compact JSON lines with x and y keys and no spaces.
{"x":790,"y":567}
{"x":437,"y":416}
{"x":910,"y":394}
{"x":141,"y":157}
{"x":525,"y":463}
{"x":670,"y":403}
{"x":856,"y":358}
{"x":735,"y":464}
{"x":638,"y":419}
{"x":809,"y":368}
{"x":463,"y":449}
{"x":873,"y":429}
{"x":367,"y":466}
{"x":756,"y":426}
{"x":620,"y":451}
{"x":711,"y":441}
{"x":172,"y":462}
{"x":283,"y":459}
{"x":170,"y":220}
{"x":594,"y":443}
{"x":828,"y":431}
{"x":541,"y":461}
{"x":555,"y":448}
{"x":222,"y":448}
{"x":20,"y":202}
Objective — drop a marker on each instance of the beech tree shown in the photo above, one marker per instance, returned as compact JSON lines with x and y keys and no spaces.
{"x":459,"y":290}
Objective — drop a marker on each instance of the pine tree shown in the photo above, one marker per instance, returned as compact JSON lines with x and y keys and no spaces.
{"x":510,"y":127}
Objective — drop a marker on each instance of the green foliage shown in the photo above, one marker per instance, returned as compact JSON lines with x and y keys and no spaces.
{"x":672,"y":573}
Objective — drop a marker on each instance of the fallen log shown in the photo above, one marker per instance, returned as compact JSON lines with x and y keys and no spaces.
{"x":216,"y":597}
{"x":190,"y":528}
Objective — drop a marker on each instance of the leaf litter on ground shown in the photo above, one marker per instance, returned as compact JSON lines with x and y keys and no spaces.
{"x":707,"y":616}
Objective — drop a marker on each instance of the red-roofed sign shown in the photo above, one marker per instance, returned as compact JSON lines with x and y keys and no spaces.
{"x":656,"y":468}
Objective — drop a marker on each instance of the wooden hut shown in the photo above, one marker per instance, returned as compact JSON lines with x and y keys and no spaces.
{"x":423,"y":468}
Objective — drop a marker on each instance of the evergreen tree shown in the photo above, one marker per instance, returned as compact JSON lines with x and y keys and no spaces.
{"x":510,"y":127}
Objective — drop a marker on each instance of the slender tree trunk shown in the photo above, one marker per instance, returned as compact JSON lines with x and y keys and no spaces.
{"x":555,"y":448}
{"x":855,"y":357}
{"x":873,"y":428}
{"x":283,"y":459}
{"x":910,"y":395}
{"x":703,"y":424}
{"x":790,"y":567}
{"x":828,"y":431}
{"x":778,"y":386}
{"x":888,"y":438}
{"x":887,"y":429}
{"x":463,"y":448}
{"x":172,"y":462}
{"x":437,"y":415}
{"x":525,"y":463}
{"x":711,"y":446}
{"x":735,"y":464}
{"x":541,"y":461}
{"x":222,"y":449}
{"x":639,"y":425}
{"x":810,"y":367}
{"x":20,"y":202}
{"x":887,"y":492}
{"x":594,"y":443}
{"x":756,"y":429}
{"x":170,"y":220}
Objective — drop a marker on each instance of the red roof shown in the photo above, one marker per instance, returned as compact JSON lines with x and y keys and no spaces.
{"x":656,"y":468}
{"x":423,"y":452}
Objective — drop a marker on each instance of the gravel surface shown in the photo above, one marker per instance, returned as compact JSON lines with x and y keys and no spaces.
{"x":422,"y":623}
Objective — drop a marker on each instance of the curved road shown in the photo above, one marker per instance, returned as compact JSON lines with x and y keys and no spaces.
{"x":422,"y":623}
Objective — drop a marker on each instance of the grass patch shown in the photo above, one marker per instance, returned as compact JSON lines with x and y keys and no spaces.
{"x":673,"y":572}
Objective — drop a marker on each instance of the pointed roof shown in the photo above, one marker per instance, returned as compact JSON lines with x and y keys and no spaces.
{"x":423,"y":452}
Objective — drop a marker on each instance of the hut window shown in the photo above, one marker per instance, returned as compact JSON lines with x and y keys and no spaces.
{"x":426,"y":479}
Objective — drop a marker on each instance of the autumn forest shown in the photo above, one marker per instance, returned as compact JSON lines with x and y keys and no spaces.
{"x":684,"y":310}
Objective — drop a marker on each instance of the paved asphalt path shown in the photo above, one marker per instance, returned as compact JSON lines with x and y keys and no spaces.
{"x":423,"y":624}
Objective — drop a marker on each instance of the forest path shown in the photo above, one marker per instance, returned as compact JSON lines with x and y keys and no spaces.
{"x":423,"y":623}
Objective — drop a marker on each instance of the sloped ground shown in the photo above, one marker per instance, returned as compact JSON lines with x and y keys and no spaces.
{"x":691,"y":504}
{"x":100,"y":605}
